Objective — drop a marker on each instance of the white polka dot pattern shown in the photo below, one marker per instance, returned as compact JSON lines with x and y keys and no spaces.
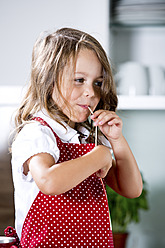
{"x":77,"y":218}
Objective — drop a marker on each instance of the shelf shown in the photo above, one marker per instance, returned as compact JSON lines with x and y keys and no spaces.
{"x":12,"y":96}
{"x":120,"y":25}
{"x":141,"y":102}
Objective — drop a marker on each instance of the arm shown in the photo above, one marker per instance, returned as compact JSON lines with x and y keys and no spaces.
{"x":124,"y":176}
{"x":56,"y":179}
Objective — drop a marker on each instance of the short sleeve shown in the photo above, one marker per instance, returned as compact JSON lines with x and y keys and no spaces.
{"x":33,"y":139}
{"x":104,"y":141}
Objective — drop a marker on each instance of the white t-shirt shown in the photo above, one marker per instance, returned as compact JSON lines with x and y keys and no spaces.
{"x":35,"y":138}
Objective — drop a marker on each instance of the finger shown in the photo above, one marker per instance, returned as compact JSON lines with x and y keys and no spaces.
{"x":99,"y":112}
{"x":96,"y":114}
{"x":100,"y":174}
{"x":100,"y":118}
{"x":115,"y":121}
{"x":103,"y":119}
{"x":106,"y":119}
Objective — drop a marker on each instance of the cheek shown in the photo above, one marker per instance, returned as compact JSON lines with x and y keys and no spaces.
{"x":97,"y":100}
{"x":74,"y":94}
{"x":55,"y":95}
{"x":97,"y":94}
{"x":58,"y":98}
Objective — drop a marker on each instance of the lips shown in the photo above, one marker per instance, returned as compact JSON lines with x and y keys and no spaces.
{"x":83,"y":106}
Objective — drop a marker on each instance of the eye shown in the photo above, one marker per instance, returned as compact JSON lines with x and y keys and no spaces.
{"x":79,"y":80}
{"x":99,"y":83}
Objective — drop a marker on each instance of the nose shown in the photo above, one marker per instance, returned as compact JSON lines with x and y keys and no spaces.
{"x":89,"y":91}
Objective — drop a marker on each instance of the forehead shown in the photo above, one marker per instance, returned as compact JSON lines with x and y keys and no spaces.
{"x":85,"y":62}
{"x":88,"y":62}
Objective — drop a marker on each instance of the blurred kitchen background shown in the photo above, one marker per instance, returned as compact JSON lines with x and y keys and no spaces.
{"x":133,"y":34}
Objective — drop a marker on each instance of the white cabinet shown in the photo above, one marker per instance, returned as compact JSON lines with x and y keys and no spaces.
{"x":141,"y":42}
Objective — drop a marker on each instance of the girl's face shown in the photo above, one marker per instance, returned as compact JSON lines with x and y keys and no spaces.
{"x":84,"y":89}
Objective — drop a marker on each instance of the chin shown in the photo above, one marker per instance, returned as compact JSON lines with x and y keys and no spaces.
{"x":78,"y":117}
{"x":80,"y":120}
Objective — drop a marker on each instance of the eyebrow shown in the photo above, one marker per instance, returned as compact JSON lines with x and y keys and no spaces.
{"x":83,"y":73}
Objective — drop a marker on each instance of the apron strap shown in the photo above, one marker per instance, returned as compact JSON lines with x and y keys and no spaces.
{"x":44,"y":123}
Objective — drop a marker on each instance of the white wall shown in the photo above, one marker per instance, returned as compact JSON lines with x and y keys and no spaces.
{"x":22,"y":21}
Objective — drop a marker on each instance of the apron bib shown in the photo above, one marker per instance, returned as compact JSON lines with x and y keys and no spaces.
{"x":77,"y":218}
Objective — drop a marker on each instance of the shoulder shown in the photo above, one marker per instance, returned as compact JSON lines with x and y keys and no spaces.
{"x":35,"y":138}
{"x":35,"y":129}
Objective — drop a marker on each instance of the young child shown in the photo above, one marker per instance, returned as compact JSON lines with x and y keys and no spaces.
{"x":60,"y":198}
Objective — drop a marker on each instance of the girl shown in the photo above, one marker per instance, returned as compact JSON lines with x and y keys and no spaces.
{"x":60,"y":198}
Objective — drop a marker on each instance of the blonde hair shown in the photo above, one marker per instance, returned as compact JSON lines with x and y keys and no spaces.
{"x":51,"y":53}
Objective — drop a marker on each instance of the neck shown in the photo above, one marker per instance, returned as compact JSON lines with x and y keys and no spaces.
{"x":71,"y":124}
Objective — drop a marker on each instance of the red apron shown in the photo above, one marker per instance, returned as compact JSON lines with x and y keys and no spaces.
{"x":77,"y":218}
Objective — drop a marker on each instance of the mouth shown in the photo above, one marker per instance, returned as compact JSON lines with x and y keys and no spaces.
{"x":83,"y":106}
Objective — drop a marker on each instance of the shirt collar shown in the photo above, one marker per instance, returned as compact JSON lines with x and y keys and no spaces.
{"x":65,"y":134}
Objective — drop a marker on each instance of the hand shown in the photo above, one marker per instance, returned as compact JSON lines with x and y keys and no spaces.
{"x":109,"y":123}
{"x":106,"y":158}
{"x":103,"y":171}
